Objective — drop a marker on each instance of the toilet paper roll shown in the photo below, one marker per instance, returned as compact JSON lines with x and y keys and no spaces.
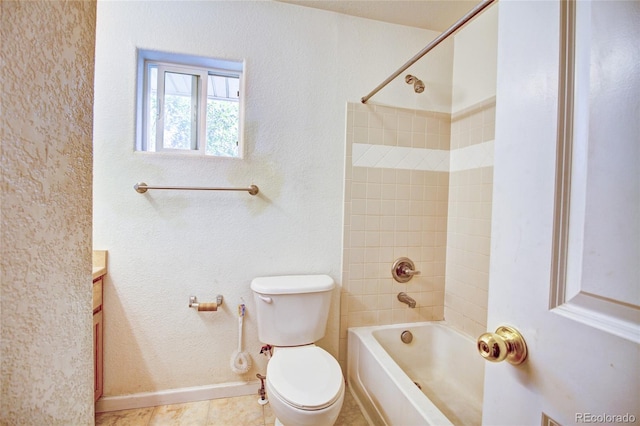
{"x":208,"y":306}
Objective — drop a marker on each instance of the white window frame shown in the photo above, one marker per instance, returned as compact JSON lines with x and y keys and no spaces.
{"x":200,"y":67}
{"x":198,"y":106}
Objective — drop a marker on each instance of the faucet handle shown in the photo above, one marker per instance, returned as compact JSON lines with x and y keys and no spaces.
{"x":403,"y":270}
{"x":406,"y":270}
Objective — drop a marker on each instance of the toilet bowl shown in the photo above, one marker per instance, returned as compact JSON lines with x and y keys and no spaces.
{"x":305,"y":386}
{"x":304,"y":382}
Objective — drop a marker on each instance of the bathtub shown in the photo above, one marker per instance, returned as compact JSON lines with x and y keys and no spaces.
{"x":437,"y":379}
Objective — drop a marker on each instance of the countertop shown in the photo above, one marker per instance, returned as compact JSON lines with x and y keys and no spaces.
{"x":99,"y":263}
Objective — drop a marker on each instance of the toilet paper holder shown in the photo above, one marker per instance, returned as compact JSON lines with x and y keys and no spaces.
{"x":210,"y":306}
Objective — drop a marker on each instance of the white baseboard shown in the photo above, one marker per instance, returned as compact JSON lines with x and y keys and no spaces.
{"x":176,"y":396}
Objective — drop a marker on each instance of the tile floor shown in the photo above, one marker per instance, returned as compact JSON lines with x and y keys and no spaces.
{"x":236,"y":411}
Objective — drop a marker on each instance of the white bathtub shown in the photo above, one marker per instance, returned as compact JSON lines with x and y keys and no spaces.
{"x":384,"y":374}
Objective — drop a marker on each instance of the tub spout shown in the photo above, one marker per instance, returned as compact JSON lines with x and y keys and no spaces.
{"x":405,"y":298}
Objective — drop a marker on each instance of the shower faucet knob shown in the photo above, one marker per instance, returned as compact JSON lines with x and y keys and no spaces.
{"x":403,"y":270}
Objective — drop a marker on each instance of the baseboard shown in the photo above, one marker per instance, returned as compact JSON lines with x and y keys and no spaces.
{"x":176,"y":396}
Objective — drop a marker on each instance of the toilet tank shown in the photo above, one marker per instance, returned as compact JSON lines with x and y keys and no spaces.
{"x":292,"y":310}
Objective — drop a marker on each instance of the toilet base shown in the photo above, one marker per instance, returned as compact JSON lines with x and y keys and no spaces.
{"x":296,"y":417}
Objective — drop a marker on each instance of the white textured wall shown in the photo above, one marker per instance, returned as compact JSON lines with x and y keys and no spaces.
{"x":47,"y":92}
{"x":302,"y":66}
{"x":474,"y":63}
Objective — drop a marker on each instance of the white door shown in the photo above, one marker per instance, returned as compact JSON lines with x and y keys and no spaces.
{"x":568,"y":280}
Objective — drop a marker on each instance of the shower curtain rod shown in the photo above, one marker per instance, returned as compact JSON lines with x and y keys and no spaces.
{"x":452,"y":29}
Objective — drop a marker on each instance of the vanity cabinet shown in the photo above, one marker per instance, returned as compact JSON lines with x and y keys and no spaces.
{"x":99,"y":272}
{"x":97,"y":336}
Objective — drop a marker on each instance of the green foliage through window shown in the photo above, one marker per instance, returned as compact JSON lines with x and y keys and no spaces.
{"x":222,"y":128}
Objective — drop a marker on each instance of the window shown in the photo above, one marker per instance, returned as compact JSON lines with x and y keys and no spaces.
{"x":189,"y":105}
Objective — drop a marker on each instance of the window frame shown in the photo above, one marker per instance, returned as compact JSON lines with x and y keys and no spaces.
{"x":201,"y":67}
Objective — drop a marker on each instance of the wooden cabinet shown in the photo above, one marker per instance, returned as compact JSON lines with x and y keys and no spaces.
{"x":97,"y":336}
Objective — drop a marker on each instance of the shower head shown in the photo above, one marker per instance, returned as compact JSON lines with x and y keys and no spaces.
{"x":418,"y":85}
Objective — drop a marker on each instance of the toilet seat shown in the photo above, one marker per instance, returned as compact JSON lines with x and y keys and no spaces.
{"x":305,"y":377}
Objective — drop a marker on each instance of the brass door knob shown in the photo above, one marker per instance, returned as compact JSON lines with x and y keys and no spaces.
{"x":505,"y":344}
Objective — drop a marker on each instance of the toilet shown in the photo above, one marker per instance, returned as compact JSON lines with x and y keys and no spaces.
{"x":304,"y":382}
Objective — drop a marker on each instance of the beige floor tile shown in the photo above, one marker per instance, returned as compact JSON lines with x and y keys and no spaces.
{"x":238,"y":411}
{"x":136,"y":417}
{"x":350,"y":415}
{"x":189,"y":414}
{"x":269,"y":417}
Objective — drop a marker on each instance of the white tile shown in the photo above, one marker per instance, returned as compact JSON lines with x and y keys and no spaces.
{"x":472,"y":157}
{"x":393,"y":157}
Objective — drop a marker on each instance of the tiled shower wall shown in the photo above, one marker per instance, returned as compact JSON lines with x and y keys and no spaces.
{"x":469,"y":218}
{"x":395,"y":205}
{"x":418,"y":184}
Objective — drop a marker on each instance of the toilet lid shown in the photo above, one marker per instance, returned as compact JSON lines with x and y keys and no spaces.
{"x":306,"y":377}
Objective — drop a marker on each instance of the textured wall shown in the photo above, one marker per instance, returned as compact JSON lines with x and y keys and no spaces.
{"x":302,"y":66}
{"x":47,"y":95}
{"x":474,"y":64}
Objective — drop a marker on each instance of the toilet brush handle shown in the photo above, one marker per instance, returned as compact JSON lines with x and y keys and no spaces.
{"x":240,"y":334}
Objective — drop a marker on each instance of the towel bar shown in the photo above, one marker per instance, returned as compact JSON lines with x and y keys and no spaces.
{"x":142,"y":187}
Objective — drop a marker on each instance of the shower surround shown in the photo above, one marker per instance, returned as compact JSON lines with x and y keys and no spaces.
{"x":417,"y":184}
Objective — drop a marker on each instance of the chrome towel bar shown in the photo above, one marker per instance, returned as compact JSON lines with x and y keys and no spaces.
{"x":142,"y":187}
